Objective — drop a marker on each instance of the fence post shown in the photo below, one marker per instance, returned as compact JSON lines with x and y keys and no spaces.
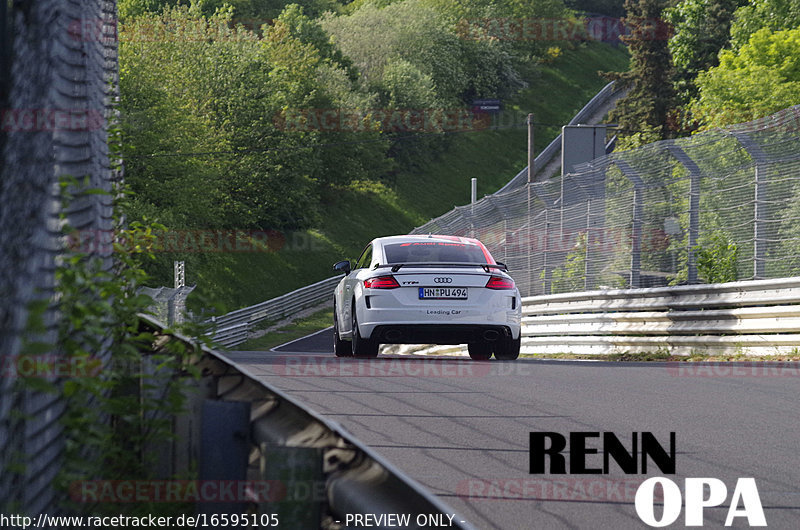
{"x":473,"y":199}
{"x":636,"y":242}
{"x":587,"y":241}
{"x":759,"y":232}
{"x":531,"y":158}
{"x":636,"y":226}
{"x":180,"y":274}
{"x":531,"y":170}
{"x":694,"y":227}
{"x":694,"y":209}
{"x":545,"y":266}
{"x":760,"y":236}
{"x":505,"y":240}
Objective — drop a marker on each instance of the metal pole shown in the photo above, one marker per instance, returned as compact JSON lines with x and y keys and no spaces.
{"x":694,"y":210}
{"x":531,"y":170}
{"x":636,"y":235}
{"x":759,"y":228}
{"x":760,"y":214}
{"x":180,"y":274}
{"x":531,"y":159}
{"x":694,"y":226}
{"x":473,"y":200}
{"x":505,"y":241}
{"x":545,"y":267}
{"x":474,"y":183}
{"x":587,"y":242}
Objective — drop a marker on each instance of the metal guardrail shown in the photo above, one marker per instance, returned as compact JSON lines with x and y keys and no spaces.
{"x":357,"y":480}
{"x":756,"y":317}
{"x":349,"y":477}
{"x":554,"y":147}
{"x":233,"y":328}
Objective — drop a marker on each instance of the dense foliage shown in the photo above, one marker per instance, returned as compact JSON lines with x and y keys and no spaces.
{"x":701,"y":29}
{"x":222,"y":102}
{"x":735,"y":60}
{"x":765,"y":73}
{"x":643,"y":114}
{"x":222,"y":99}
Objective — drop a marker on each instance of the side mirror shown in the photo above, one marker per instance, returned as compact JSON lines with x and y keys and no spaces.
{"x":342,"y":266}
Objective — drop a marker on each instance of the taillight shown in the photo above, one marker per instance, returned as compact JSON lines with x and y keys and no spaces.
{"x":498,"y":282}
{"x":381,"y":282}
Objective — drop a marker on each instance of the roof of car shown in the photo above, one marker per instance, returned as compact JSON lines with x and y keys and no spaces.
{"x":430,"y":237}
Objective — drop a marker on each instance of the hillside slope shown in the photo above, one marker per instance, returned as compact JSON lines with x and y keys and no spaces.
{"x":354,"y":215}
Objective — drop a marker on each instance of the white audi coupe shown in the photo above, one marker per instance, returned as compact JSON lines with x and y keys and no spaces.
{"x":431,"y":289}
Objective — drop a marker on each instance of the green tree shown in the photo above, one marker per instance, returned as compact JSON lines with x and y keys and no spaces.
{"x":757,"y":14}
{"x":643,"y":114}
{"x":762,"y":77}
{"x":717,"y":257}
{"x":571,"y":275}
{"x":612,"y":8}
{"x":701,"y":29}
{"x":423,"y":34}
{"x":253,"y":13}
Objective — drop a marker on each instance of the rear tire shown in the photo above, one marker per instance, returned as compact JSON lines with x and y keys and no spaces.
{"x":507,"y":349}
{"x":364,"y":348}
{"x":479,"y":351}
{"x":340,"y":347}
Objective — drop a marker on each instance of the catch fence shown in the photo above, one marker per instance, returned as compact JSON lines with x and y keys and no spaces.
{"x":721,"y":205}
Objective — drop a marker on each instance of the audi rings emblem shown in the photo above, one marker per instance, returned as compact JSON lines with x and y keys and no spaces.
{"x":443,"y":280}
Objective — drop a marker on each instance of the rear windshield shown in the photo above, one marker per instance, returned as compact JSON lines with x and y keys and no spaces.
{"x":434,"y":252}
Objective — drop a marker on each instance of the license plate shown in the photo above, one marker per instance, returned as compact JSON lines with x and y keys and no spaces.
{"x":442,"y":293}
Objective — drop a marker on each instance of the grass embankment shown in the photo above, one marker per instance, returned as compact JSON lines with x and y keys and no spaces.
{"x":353,"y":216}
{"x":297,"y":329}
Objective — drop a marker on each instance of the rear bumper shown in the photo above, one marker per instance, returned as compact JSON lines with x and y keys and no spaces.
{"x":439,"y":333}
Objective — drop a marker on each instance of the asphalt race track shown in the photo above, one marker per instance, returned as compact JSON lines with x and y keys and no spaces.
{"x":461,"y":428}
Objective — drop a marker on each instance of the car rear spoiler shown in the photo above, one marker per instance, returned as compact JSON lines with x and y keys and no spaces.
{"x":486,"y":266}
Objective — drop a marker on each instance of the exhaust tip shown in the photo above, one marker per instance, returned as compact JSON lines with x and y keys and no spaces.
{"x":393,"y":335}
{"x":491,"y":335}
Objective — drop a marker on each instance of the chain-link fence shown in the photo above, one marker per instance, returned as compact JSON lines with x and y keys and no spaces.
{"x":721,"y":205}
{"x":169,"y":305}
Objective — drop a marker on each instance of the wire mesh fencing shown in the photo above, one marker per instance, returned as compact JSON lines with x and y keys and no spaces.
{"x":722,"y":205}
{"x":169,"y":305}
